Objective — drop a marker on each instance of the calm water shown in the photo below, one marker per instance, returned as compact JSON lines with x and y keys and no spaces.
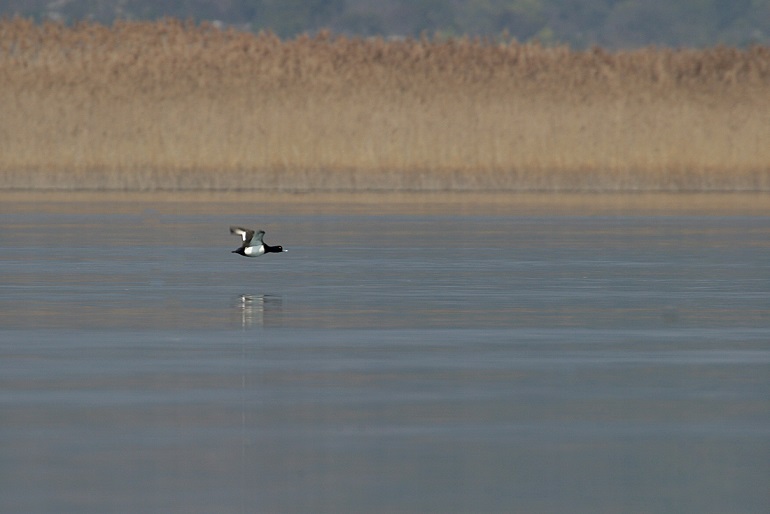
{"x":407,"y":354}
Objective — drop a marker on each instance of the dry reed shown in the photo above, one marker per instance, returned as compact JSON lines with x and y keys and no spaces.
{"x":173,"y":105}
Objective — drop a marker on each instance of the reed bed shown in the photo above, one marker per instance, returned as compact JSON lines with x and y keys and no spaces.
{"x":175,"y":105}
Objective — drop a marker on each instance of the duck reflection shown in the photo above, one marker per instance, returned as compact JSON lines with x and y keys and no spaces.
{"x":260,"y":310}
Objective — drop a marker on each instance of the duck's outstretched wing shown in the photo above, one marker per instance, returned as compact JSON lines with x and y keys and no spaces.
{"x":247,"y":235}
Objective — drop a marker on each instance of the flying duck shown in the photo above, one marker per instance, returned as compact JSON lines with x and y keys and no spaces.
{"x":252,"y":243}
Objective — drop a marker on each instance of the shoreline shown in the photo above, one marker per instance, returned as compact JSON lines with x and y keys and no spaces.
{"x":363,"y":181}
{"x":150,"y":204}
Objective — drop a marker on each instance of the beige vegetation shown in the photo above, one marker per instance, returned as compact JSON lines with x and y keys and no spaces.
{"x":172,"y":105}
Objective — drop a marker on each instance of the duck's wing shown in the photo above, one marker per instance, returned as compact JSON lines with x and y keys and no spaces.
{"x":246,"y":234}
{"x":257,"y":237}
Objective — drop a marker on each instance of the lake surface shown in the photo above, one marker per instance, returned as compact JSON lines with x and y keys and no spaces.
{"x":409,"y":353}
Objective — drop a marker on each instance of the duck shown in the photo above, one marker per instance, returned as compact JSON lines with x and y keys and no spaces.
{"x":253,"y":246}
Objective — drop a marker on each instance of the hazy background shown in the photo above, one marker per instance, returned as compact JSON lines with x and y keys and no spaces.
{"x":614,"y":24}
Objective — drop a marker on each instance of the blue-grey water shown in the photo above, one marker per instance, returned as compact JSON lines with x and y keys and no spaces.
{"x":407,"y":354}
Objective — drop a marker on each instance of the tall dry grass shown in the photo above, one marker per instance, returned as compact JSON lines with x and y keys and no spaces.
{"x":172,"y":105}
